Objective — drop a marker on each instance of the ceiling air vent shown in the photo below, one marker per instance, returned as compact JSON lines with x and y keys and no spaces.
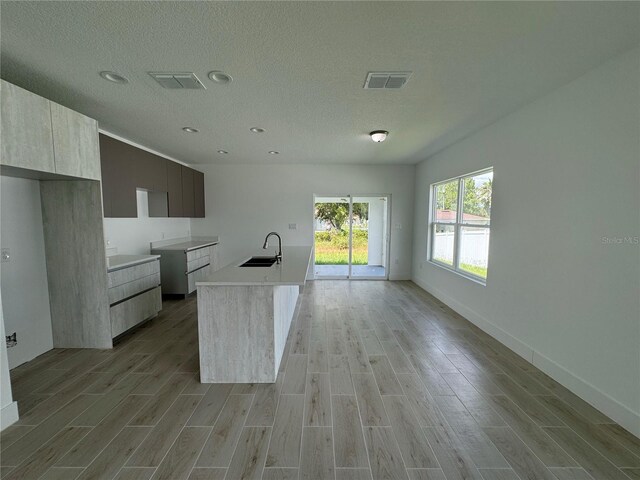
{"x":182,"y":80}
{"x":386,"y":80}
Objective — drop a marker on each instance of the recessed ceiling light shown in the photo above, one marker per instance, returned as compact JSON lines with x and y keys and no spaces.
{"x":224,"y":152}
{"x":220,"y":77}
{"x":190,"y":129}
{"x":257,"y":129}
{"x":273,"y":152}
{"x":114,"y":77}
{"x":379,"y":135}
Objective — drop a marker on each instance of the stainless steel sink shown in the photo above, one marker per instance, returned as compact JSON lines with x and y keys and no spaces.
{"x":259,"y":262}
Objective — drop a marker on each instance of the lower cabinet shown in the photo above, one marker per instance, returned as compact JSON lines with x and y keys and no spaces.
{"x":134,"y":295}
{"x":137,"y":309}
{"x":181,"y":269}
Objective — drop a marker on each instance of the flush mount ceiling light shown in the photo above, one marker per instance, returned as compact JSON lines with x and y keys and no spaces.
{"x":114,"y":77}
{"x":224,"y":152}
{"x":257,"y":129}
{"x":273,"y":152}
{"x":220,"y":77}
{"x":379,"y":135}
{"x":190,"y":129}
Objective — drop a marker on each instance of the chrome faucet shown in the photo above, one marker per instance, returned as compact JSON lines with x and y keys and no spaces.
{"x":266,"y":244}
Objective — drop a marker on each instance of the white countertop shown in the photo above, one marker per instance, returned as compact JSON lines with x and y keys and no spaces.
{"x":116,"y":262}
{"x":185,"y":244}
{"x":292,"y":270}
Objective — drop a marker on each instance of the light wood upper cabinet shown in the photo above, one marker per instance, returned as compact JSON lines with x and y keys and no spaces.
{"x":26,"y":130}
{"x":75,"y":143}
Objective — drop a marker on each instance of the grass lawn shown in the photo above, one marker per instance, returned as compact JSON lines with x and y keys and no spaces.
{"x":332,"y":248}
{"x":335,"y":256}
{"x":473,"y":269}
{"x":479,"y":271}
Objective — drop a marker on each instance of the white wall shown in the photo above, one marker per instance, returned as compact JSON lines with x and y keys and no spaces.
{"x":245,"y":202}
{"x":377,"y":229}
{"x":131,"y":236}
{"x":8,"y":408}
{"x":567,"y":176}
{"x":25,"y":291}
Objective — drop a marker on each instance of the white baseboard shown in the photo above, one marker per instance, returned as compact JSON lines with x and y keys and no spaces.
{"x":590,"y":393}
{"x":600,"y":400}
{"x":8,"y":415}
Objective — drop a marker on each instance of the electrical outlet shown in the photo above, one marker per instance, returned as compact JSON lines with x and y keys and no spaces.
{"x":293,"y":226}
{"x":5,"y":255}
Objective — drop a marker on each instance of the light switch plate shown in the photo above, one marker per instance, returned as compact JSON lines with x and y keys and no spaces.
{"x":5,"y":255}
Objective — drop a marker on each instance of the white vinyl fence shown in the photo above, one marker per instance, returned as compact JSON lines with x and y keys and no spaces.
{"x":474,"y":247}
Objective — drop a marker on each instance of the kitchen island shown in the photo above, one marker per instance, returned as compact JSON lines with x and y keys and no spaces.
{"x":244,"y":315}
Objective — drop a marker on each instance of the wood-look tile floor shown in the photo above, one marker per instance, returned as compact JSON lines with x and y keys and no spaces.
{"x":379,"y":380}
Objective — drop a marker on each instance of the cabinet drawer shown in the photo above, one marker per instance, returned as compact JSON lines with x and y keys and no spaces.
{"x":135,"y":272}
{"x":129,"y":289}
{"x":192,"y":278}
{"x":135,"y":310}
{"x":199,"y":253}
{"x":197,"y":263}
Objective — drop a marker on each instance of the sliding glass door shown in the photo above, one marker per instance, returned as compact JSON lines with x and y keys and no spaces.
{"x":351,"y":236}
{"x":369,"y":229}
{"x":332,"y":227}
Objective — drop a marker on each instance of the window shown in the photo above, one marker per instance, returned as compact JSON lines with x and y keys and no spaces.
{"x":461,"y":224}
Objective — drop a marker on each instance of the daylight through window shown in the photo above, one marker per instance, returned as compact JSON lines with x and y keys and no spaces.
{"x":461,"y":223}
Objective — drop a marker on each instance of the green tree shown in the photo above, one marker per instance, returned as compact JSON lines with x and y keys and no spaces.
{"x":337,"y":214}
{"x":477,"y":198}
{"x":476,"y":201}
{"x":447,"y":196}
{"x":361,"y":210}
{"x":484,"y":196}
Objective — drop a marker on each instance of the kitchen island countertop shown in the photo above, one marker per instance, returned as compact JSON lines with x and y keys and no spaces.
{"x":292,"y":270}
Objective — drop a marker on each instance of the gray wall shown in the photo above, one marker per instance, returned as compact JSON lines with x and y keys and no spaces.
{"x":566,"y":179}
{"x":245,"y":202}
{"x":25,"y":291}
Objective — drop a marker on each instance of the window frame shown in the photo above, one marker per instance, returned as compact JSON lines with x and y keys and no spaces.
{"x":458,"y":225}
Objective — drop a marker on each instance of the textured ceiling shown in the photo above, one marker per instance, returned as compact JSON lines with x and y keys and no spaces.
{"x":299,"y":68}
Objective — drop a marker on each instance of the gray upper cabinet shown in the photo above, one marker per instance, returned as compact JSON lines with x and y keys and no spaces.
{"x":188,"y":204}
{"x":27,"y":140}
{"x":174,"y":190}
{"x":75,"y":143}
{"x":198,"y":193}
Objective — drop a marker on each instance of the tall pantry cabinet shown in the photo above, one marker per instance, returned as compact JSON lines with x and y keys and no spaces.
{"x":59,"y":147}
